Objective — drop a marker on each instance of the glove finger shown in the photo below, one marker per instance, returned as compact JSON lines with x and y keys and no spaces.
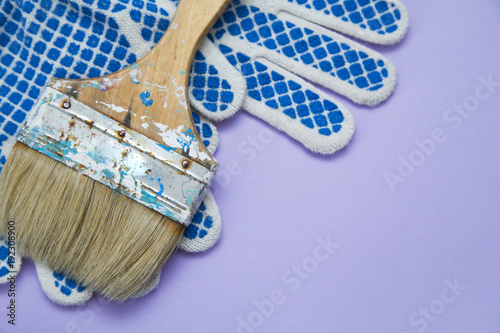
{"x":216,"y":89}
{"x":10,"y":260}
{"x":205,"y":228}
{"x":376,"y":21}
{"x":308,"y":50}
{"x":60,"y":289}
{"x":207,"y":131}
{"x":292,"y":105}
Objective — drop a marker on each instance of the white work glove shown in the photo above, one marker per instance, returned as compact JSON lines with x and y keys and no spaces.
{"x":254,"y":58}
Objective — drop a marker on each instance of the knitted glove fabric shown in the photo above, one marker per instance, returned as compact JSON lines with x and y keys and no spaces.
{"x":255,"y":58}
{"x":276,"y":45}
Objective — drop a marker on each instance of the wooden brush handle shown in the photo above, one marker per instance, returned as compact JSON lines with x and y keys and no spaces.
{"x":173,"y":55}
{"x":192,"y":21}
{"x":150,"y":96}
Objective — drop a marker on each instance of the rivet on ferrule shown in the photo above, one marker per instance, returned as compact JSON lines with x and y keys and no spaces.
{"x":66,"y":104}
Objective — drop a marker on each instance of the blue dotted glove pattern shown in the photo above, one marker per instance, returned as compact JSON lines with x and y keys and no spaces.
{"x":6,"y":264}
{"x":206,"y":130}
{"x":10,"y":261}
{"x":205,"y":227}
{"x":297,"y":103}
{"x":61,"y":289}
{"x":376,"y":15}
{"x":208,"y":87}
{"x":200,"y":225}
{"x":65,"y":285}
{"x":40,"y":39}
{"x":302,"y":45}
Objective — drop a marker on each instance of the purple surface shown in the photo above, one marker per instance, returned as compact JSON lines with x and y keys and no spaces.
{"x":398,"y":250}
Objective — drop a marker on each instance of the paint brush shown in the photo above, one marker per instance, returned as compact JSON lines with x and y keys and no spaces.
{"x":107,"y":172}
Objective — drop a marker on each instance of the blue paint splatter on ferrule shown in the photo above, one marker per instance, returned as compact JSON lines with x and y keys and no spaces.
{"x":142,"y":175}
{"x":162,"y":188}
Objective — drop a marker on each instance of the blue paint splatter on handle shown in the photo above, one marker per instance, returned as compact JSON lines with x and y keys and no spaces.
{"x":145,"y":98}
{"x":189,"y":133}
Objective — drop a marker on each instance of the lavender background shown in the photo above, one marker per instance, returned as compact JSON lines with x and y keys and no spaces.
{"x":397,"y":249}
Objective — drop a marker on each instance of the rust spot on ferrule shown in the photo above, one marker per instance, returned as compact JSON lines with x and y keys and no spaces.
{"x":90,"y":123}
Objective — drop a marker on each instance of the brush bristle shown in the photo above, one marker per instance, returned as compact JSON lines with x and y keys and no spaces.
{"x":77,"y":226}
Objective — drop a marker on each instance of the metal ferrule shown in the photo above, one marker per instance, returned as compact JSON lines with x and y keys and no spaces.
{"x":116,"y":156}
